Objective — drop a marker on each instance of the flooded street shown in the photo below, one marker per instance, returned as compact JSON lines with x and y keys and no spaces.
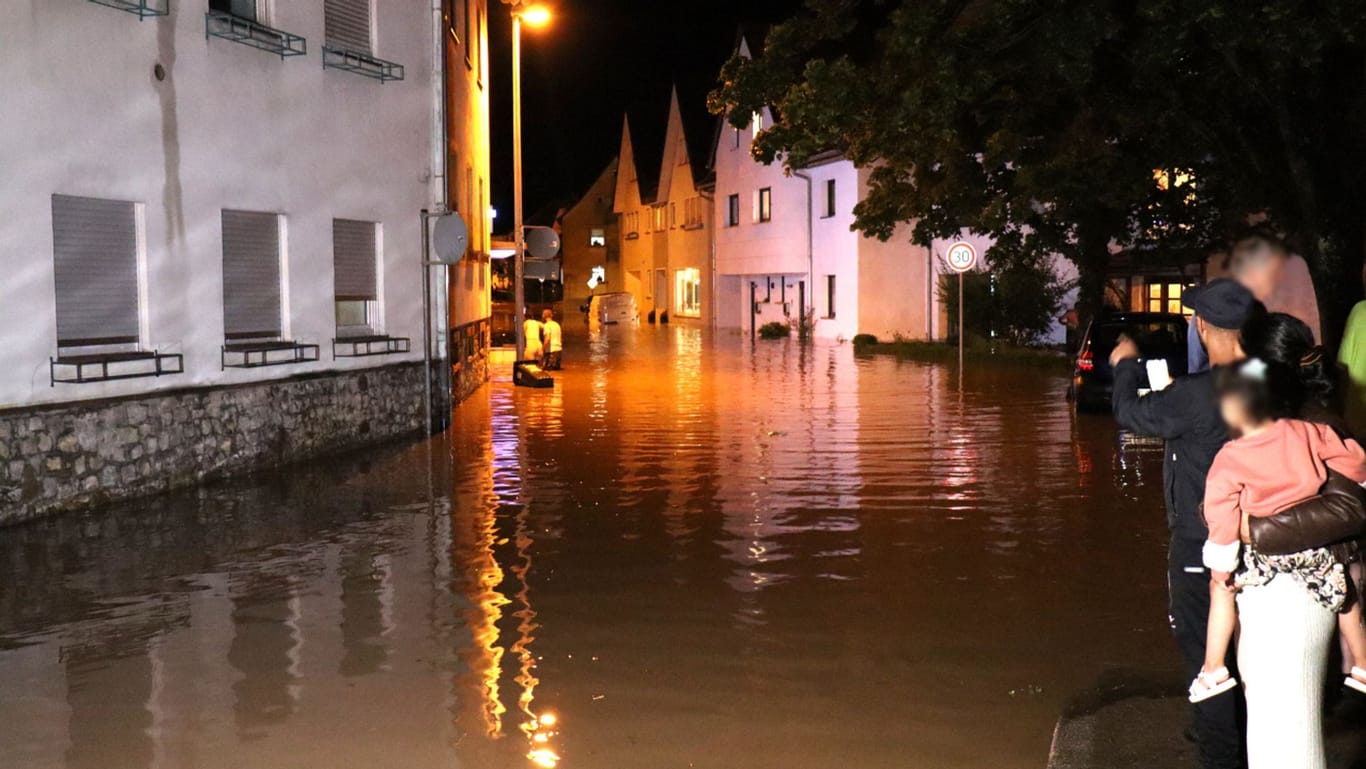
{"x":691,"y":553}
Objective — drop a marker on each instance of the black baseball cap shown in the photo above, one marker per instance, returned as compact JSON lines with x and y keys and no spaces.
{"x":1222,"y":302}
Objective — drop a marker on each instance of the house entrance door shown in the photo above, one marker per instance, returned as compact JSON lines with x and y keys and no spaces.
{"x":661,"y":291}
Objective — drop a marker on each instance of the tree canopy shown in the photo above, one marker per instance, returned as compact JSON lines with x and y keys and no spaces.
{"x":1075,"y":126}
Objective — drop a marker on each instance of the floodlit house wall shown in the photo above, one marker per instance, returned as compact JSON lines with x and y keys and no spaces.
{"x":634,"y":222}
{"x":590,"y":240}
{"x":468,"y":181}
{"x":665,"y":232}
{"x":686,"y":261}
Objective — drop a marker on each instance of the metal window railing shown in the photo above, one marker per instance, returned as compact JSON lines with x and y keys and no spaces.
{"x":361,"y":64}
{"x":254,"y":34}
{"x":143,"y":9}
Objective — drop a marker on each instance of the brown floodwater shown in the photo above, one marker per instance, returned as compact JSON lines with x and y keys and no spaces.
{"x":693,"y":552}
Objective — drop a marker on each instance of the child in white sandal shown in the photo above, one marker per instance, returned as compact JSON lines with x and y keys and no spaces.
{"x":1272,"y":463}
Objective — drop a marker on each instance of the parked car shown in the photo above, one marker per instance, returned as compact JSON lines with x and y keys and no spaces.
{"x":614,"y":307}
{"x":1160,"y":336}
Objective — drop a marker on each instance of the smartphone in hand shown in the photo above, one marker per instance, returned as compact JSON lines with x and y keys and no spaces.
{"x":1159,"y":376}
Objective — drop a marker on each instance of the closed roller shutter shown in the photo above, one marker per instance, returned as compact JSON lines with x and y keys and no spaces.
{"x":353,"y":258}
{"x":348,"y":25}
{"x":95,"y":263}
{"x":251,"y":274}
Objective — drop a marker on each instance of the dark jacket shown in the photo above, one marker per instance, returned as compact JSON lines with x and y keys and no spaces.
{"x":1186,"y":416}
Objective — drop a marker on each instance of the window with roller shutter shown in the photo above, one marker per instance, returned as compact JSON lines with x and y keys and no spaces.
{"x":347,"y":25}
{"x":95,"y":265}
{"x":251,"y":275}
{"x":355,"y":262}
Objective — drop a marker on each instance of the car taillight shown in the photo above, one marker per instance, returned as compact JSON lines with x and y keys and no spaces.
{"x":1085,"y":362}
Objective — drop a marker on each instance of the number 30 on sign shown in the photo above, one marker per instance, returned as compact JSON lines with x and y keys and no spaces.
{"x":962,"y":257}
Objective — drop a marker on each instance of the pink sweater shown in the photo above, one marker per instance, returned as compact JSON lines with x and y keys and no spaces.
{"x":1265,"y":473}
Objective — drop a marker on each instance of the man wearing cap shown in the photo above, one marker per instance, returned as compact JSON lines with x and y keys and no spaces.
{"x":1186,"y":416}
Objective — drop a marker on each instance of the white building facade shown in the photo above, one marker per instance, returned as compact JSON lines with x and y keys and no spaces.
{"x":785,"y":247}
{"x":219,"y":197}
{"x":786,"y":250}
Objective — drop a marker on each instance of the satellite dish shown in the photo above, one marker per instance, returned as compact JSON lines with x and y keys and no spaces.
{"x":450,"y":238}
{"x":542,"y":242}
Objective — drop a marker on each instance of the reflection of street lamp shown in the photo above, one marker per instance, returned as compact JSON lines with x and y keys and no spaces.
{"x":535,"y":16}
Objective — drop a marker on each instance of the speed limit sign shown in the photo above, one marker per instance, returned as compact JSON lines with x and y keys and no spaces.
{"x":962,"y":257}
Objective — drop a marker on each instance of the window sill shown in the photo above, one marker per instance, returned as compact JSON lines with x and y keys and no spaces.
{"x":361,"y":64}
{"x":267,"y":353}
{"x":632,"y":236}
{"x":251,"y":33}
{"x":365,"y":346}
{"x":135,"y":364}
{"x":691,"y":227}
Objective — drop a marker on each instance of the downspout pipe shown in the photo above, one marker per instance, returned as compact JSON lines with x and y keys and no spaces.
{"x":441,"y":135}
{"x":810,"y":251}
{"x":710,"y":197}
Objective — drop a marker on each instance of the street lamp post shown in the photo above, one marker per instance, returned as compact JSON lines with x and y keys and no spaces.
{"x":536,"y":16}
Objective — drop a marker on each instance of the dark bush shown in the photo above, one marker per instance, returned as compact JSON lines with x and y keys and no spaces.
{"x":775,"y":330}
{"x":864,"y":340}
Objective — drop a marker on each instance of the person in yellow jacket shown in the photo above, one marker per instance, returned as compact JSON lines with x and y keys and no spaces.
{"x":1352,"y":360}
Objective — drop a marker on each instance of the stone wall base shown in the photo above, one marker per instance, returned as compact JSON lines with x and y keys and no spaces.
{"x":62,"y":457}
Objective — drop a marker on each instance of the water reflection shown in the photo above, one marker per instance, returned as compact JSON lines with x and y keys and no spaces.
{"x":265,"y":650}
{"x":691,"y":551}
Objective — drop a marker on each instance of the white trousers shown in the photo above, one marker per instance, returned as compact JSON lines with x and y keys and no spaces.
{"x":1282,"y":658}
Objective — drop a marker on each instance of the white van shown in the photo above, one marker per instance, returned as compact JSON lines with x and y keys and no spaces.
{"x":612,"y":308}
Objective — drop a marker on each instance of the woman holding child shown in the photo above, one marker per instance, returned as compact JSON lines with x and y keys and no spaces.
{"x":1291,"y":597}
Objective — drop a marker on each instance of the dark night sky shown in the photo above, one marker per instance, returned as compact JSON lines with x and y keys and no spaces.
{"x":597,"y":60}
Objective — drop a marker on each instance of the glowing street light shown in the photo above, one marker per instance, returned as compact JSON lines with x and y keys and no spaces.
{"x":535,"y":16}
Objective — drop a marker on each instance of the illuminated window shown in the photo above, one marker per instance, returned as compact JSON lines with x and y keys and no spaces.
{"x":763,"y":205}
{"x":688,"y":292}
{"x":1166,"y":297}
{"x":597,"y":238}
{"x":598,"y":277}
{"x":758,"y":122}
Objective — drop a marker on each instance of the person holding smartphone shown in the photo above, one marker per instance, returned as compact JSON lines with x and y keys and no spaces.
{"x":1186,"y":415}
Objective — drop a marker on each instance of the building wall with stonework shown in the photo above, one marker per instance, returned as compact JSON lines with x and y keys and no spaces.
{"x":67,"y":456}
{"x":212,"y":251}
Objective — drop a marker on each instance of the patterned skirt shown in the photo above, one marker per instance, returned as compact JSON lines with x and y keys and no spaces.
{"x":1318,"y":571}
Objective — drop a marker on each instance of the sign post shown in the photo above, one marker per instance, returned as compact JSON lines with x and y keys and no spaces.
{"x":962,"y":258}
